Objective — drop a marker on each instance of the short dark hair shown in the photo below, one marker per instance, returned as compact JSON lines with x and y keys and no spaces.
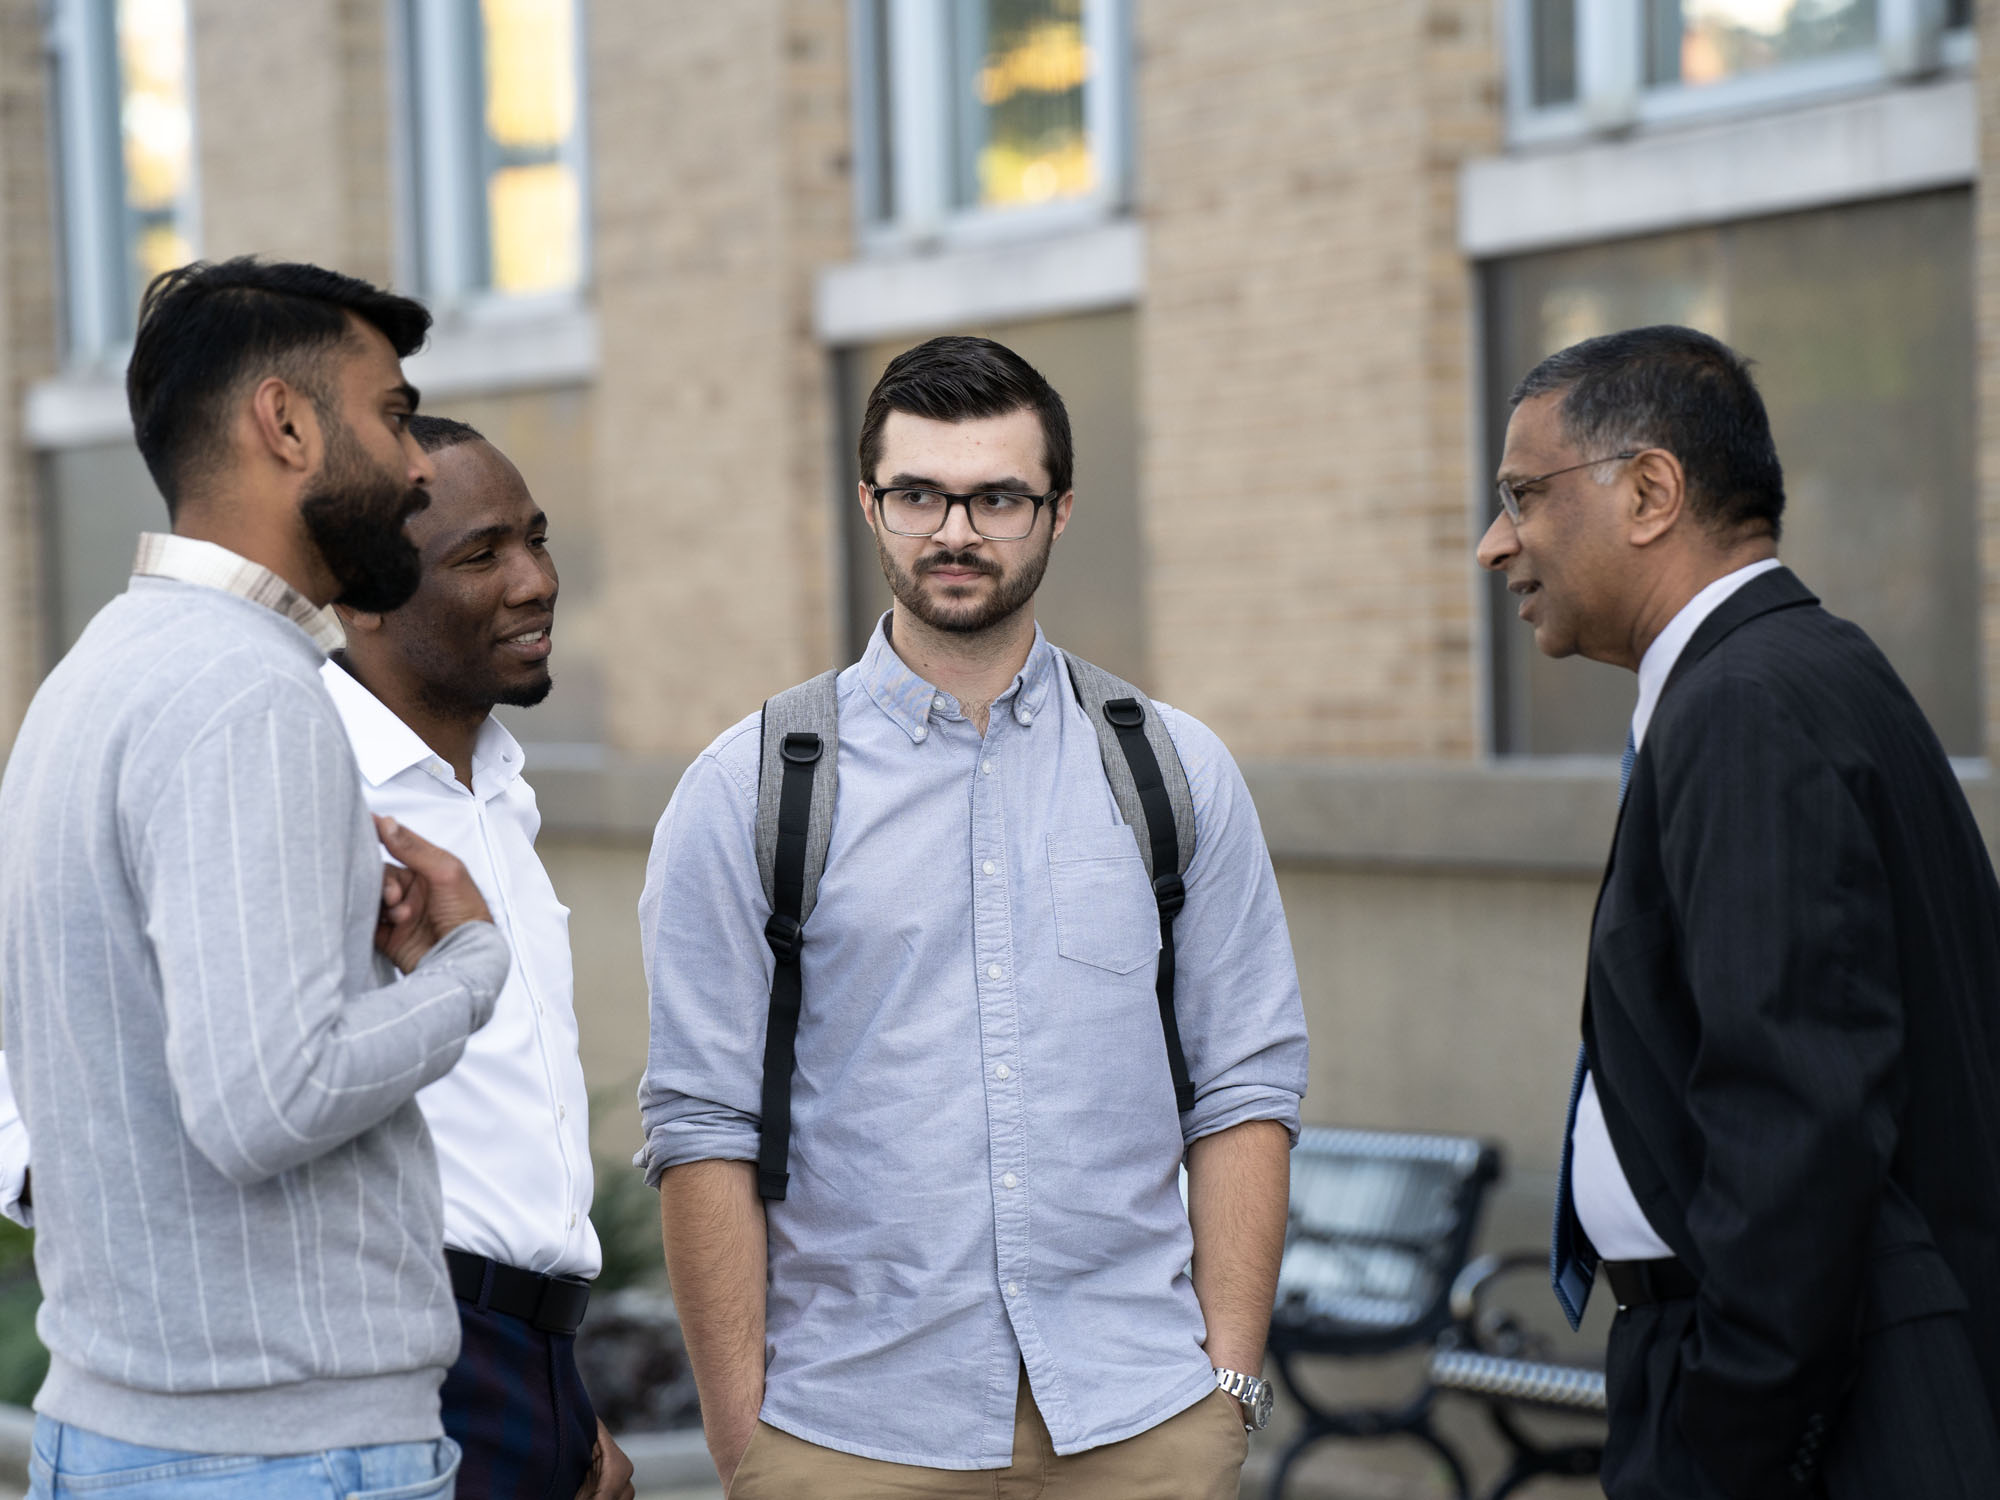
{"x":1678,"y":389}
{"x":206,"y":327}
{"x":959,"y":378}
{"x":435,"y":434}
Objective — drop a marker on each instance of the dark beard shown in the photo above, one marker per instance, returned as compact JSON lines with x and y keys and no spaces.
{"x":1016,"y":588}
{"x":354,"y":514}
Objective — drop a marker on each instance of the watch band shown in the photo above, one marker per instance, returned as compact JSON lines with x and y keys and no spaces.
{"x":1251,"y":1392}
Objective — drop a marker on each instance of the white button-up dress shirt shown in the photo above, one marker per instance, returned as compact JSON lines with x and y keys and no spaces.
{"x":512,"y":1121}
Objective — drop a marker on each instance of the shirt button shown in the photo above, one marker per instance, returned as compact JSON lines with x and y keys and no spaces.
{"x":918,"y":733}
{"x":1013,"y":1288}
{"x":1003,"y":1071}
{"x":938,"y":703}
{"x":1010,"y":1181}
{"x":993,"y":971}
{"x":986,"y":768}
{"x":1027,"y":717}
{"x":562,"y":1111}
{"x":989,"y":867}
{"x":572,"y":1221}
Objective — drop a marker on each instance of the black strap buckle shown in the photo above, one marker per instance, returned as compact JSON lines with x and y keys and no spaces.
{"x":1171,"y":892}
{"x":800,"y":749}
{"x":785,"y":936}
{"x":1124,"y":713}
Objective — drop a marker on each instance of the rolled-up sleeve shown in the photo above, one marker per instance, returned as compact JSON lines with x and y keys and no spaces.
{"x":708,"y":969}
{"x":1236,"y":991}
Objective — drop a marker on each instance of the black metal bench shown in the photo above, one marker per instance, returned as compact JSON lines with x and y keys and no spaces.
{"x":1381,"y":1225}
{"x":1488,"y":1355}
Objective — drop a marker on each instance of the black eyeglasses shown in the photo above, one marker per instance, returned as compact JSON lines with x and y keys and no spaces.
{"x":997,"y":515}
{"x":1510,"y":491}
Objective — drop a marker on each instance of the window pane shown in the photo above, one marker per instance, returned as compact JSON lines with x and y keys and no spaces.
{"x":1697,"y":42}
{"x":157,"y":136}
{"x":1553,"y":60}
{"x":533,"y":195}
{"x":1022,"y":67}
{"x":1860,"y":322}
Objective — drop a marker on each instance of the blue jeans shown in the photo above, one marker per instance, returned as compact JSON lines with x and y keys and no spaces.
{"x":70,"y":1463}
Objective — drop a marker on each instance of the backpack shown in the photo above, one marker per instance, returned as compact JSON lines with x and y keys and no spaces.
{"x":799,"y":744}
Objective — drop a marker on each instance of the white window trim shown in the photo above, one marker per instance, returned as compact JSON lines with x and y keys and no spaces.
{"x":435,"y":56}
{"x":920,"y":137}
{"x":882,"y":297}
{"x":1877,"y":145}
{"x":82,"y":45}
{"x":1612,"y":97}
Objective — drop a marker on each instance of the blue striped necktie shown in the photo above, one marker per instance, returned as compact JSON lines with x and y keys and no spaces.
{"x":1571,"y":1271}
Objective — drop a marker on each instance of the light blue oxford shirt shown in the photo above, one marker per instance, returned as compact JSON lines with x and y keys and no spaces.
{"x":985,"y":1151}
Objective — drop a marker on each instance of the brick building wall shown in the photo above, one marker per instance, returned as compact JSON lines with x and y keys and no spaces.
{"x":722,"y":181}
{"x":293,"y":131}
{"x":27,"y":346}
{"x":1304,"y":358}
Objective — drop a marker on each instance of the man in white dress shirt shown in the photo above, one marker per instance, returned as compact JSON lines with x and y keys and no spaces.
{"x":415,"y":689}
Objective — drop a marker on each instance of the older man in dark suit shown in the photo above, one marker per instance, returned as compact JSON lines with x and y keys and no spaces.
{"x":1784,"y":1141}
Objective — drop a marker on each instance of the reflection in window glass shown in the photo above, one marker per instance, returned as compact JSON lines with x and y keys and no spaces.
{"x":1022,"y":67}
{"x":1859,"y":320}
{"x":156,"y":135}
{"x":1697,"y":42}
{"x":1553,"y":39}
{"x":534,"y":201}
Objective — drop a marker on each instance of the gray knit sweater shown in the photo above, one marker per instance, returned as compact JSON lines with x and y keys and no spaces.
{"x":238,"y":1222}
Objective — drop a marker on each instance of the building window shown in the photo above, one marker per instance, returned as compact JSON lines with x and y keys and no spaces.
{"x":988,"y":117}
{"x":1860,"y":322}
{"x":496,"y":148}
{"x":1580,"y":65}
{"x":125,"y":145}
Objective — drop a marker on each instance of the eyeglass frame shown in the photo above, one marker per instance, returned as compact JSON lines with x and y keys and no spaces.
{"x":1508,"y":489}
{"x":1038,"y":501}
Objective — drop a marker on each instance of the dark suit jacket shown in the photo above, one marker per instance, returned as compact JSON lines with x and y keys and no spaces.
{"x":1793,"y":1016}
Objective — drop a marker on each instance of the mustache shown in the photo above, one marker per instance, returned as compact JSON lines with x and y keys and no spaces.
{"x":970,"y":561}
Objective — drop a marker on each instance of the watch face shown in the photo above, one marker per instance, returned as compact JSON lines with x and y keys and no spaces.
{"x":1260,"y":1405}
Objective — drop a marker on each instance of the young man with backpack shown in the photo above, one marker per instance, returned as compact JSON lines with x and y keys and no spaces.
{"x":955,"y":957}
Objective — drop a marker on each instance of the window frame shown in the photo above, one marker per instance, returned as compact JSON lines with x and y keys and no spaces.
{"x":915,"y":144}
{"x":443,"y":246}
{"x":1912,"y":41}
{"x":95,"y":251}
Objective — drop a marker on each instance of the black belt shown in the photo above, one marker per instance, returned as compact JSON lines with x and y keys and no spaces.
{"x":1638,"y":1283}
{"x":553,"y":1304}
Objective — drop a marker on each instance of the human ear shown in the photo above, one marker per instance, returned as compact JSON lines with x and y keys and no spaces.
{"x":285,"y":423}
{"x":1060,"y":513}
{"x":1659,"y":495}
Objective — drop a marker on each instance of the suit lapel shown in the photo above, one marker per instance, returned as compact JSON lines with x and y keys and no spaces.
{"x":1780,"y":588}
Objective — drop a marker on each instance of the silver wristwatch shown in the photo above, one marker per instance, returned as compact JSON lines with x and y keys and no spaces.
{"x":1252,"y":1392}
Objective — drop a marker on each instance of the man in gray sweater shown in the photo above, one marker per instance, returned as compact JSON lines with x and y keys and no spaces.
{"x":238,"y":1212}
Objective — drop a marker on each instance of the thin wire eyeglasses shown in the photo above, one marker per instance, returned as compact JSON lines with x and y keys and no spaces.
{"x":997,"y":515}
{"x":1511,"y":490}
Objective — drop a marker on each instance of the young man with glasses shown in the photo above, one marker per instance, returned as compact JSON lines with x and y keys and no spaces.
{"x":1781,"y":1141}
{"x":979,"y":1265}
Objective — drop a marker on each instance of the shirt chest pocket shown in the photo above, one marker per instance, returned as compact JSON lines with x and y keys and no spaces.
{"x":1105,"y":912}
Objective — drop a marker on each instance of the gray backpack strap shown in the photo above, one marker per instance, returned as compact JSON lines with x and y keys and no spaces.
{"x":1094,"y":688}
{"x":1150,"y":787}
{"x":799,"y":756}
{"x":809,"y":708}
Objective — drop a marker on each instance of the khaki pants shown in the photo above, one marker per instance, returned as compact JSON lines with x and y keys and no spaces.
{"x":1197,"y":1455}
